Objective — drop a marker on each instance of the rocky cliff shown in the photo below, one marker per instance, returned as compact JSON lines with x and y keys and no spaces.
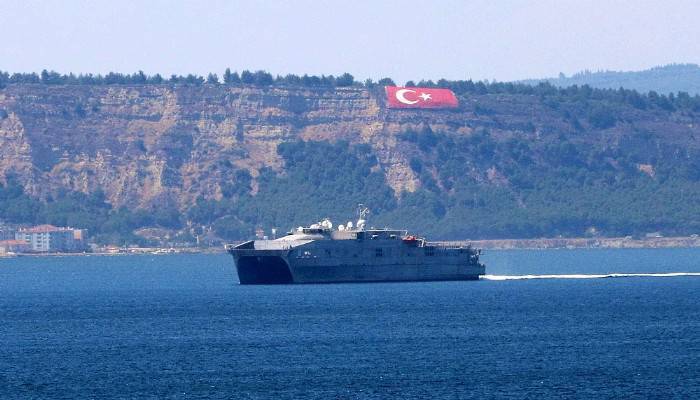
{"x":148,"y":145}
{"x":143,"y":145}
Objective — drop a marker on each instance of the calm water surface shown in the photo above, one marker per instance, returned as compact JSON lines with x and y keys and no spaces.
{"x":180,"y":327}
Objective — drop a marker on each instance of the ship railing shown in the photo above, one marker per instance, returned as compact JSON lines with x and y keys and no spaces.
{"x":263,"y":245}
{"x":285,"y":245}
{"x":258,"y":246}
{"x":450,"y":245}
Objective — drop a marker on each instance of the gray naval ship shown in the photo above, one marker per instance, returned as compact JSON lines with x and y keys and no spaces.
{"x":351,"y":253}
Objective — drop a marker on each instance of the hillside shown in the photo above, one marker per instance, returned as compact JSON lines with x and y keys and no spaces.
{"x":665,"y":79}
{"x":512,"y":161}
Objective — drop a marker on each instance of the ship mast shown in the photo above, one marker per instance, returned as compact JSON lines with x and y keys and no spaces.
{"x":362,"y":211}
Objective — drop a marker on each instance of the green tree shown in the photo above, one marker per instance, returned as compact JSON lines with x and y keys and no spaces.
{"x":139,"y":78}
{"x":212,"y":79}
{"x":247,"y":77}
{"x":263,"y":78}
{"x":231,"y":78}
{"x":602,"y":117}
{"x":345,"y":80}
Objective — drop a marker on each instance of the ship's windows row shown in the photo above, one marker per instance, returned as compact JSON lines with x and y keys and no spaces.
{"x":378,"y":252}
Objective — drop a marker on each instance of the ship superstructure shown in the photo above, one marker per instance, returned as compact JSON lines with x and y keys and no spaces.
{"x":351,"y":253}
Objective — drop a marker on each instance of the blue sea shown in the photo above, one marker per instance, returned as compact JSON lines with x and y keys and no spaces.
{"x":543,"y":325}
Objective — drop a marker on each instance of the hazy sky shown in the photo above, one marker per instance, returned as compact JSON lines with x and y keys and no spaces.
{"x":503,"y":40}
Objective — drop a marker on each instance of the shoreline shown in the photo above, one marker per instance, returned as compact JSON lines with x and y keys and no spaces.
{"x":485,"y":244}
{"x":140,"y":252}
{"x":585,"y":243}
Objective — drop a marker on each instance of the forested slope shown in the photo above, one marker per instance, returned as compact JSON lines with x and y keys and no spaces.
{"x":672,"y":78}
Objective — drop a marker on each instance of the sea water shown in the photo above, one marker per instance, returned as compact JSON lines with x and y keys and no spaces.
{"x":543,"y":324}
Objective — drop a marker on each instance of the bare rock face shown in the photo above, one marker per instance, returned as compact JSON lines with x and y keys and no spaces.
{"x":146,"y":144}
{"x":15,"y":150}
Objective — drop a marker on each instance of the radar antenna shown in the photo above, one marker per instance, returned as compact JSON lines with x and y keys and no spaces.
{"x":363,"y":211}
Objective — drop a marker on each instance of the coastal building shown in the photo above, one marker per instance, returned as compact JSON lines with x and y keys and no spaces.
{"x":49,"y":238}
{"x":13,"y":246}
{"x":7,"y":233}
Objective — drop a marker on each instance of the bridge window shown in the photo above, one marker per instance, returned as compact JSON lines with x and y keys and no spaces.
{"x":378,"y":252}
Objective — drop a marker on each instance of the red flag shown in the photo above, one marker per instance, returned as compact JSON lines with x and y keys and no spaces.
{"x":415,"y":97}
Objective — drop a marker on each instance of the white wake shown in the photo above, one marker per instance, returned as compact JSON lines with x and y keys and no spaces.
{"x":586,"y":276}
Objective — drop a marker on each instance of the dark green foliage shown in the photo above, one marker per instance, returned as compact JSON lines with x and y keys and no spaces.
{"x":247,"y":77}
{"x":231,"y":78}
{"x":171,"y":177}
{"x":85,"y":211}
{"x":321,"y":180}
{"x":178,"y":148}
{"x":77,"y":210}
{"x":139,"y":78}
{"x":549,"y":188}
{"x":50,"y":78}
{"x":140,"y":145}
{"x":45,"y":157}
{"x":409,"y":136}
{"x":289,"y":79}
{"x":166,"y":217}
{"x":79,"y":110}
{"x":307,"y":80}
{"x":481,"y":110}
{"x":636,"y":100}
{"x":213,"y":79}
{"x":155,"y":79}
{"x":345,"y":80}
{"x":262,"y":78}
{"x":230,"y":227}
{"x":193,"y":79}
{"x":237,"y":185}
{"x":570,"y":190}
{"x":416,"y":165}
{"x":426,"y":139}
{"x":15,"y":206}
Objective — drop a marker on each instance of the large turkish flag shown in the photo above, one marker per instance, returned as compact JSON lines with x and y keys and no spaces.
{"x":415,"y":97}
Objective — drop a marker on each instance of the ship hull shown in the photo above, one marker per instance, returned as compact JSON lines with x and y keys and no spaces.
{"x":383,"y":273}
{"x":277,"y":269}
{"x":265,"y":270}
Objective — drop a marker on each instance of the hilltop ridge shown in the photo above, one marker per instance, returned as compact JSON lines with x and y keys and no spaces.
{"x":671,"y":78}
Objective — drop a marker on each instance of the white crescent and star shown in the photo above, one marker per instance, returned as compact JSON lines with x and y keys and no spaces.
{"x":401,"y":96}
